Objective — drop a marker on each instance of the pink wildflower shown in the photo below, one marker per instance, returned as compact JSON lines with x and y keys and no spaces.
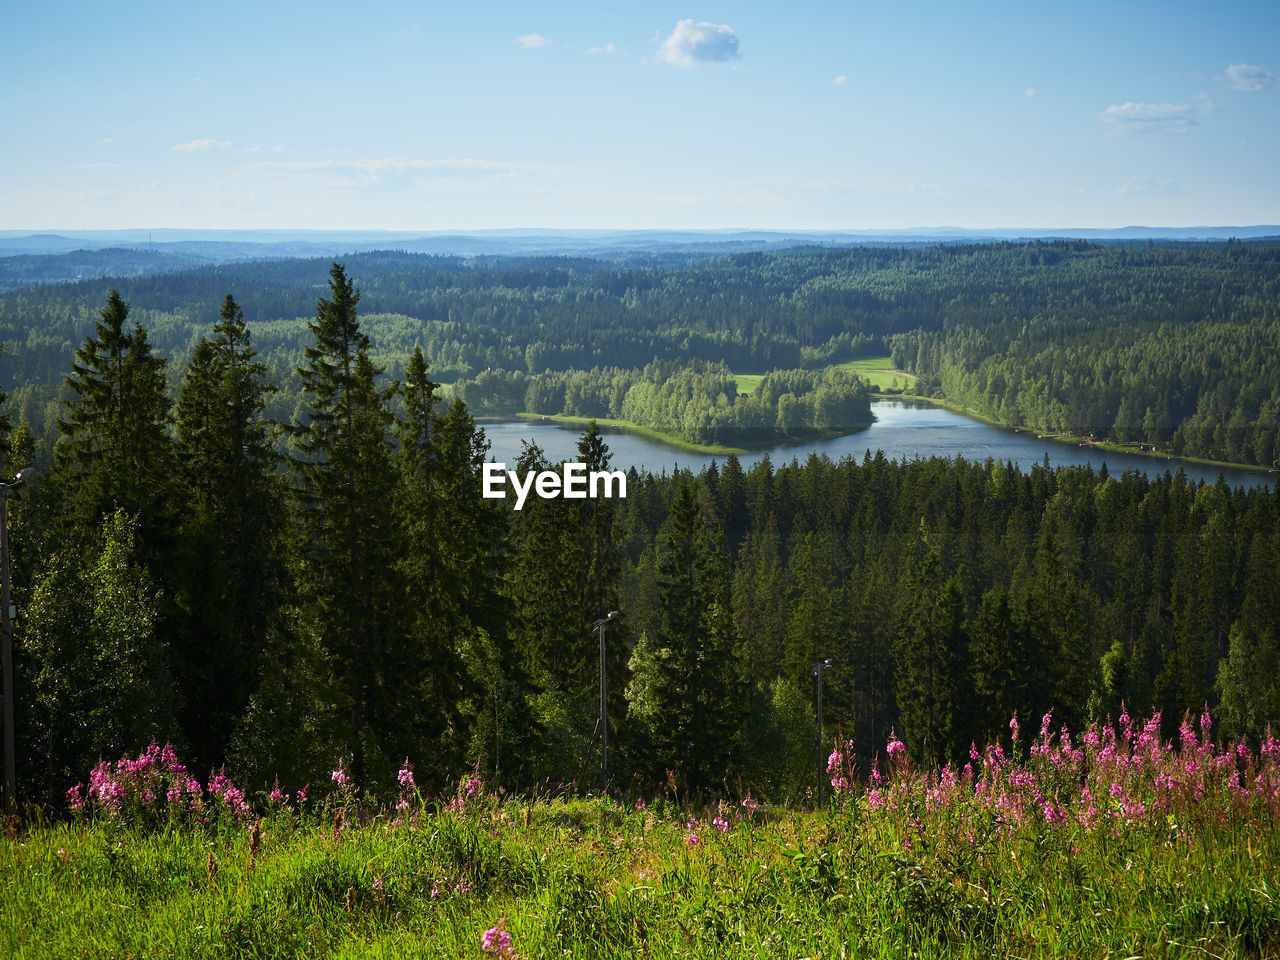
{"x":497,"y":941}
{"x":405,"y":776}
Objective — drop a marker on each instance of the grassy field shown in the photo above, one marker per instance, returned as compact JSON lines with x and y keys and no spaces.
{"x":879,"y":370}
{"x":1119,"y":847}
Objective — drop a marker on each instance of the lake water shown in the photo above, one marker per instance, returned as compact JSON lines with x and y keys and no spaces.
{"x":903,"y":429}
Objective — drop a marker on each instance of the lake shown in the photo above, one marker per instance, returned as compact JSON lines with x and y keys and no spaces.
{"x":903,"y":429}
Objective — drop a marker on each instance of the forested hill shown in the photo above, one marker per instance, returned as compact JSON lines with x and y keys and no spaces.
{"x":1174,"y":345}
{"x":358,"y":597}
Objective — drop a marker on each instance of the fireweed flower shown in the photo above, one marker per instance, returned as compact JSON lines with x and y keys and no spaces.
{"x":405,"y":776}
{"x":496,"y":941}
{"x":721,"y":824}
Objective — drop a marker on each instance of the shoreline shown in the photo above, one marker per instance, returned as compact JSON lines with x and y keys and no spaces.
{"x":716,"y":450}
{"x":1070,"y":440}
{"x":710,"y":450}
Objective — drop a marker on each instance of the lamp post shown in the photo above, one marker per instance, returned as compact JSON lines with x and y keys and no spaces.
{"x":819,"y":668}
{"x":599,"y":626}
{"x":6,"y":617}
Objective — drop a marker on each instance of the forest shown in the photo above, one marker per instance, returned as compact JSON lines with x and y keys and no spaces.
{"x":274,"y":595}
{"x":1171,"y":345}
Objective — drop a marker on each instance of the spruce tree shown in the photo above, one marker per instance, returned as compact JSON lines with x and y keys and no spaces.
{"x":685,"y":682}
{"x":472,"y":573}
{"x":345,"y":490}
{"x":115,"y":450}
{"x":429,"y":659}
{"x":927,"y":652}
{"x":232,"y":572}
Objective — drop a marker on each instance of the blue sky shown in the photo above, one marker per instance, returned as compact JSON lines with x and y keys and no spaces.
{"x":689,"y":115}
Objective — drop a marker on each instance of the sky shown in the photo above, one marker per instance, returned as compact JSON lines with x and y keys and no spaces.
{"x":696,"y":114}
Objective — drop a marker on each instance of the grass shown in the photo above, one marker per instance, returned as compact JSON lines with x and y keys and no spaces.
{"x":590,"y":878}
{"x":879,"y":370}
{"x":1121,"y":847}
{"x":748,"y":382}
{"x":670,"y":440}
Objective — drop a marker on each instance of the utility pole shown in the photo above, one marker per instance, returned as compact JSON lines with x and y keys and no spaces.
{"x":819,"y":668}
{"x":598,"y":627}
{"x":6,"y":617}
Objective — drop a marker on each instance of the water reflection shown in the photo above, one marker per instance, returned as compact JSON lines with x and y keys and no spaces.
{"x":903,"y":429}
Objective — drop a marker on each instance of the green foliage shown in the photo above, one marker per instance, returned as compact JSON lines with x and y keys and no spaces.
{"x":101,"y":680}
{"x":777,"y":749}
{"x":685,"y":680}
{"x":413,"y":612}
{"x":115,"y":451}
{"x":346,"y":486}
{"x":929,"y":654}
{"x":232,"y":574}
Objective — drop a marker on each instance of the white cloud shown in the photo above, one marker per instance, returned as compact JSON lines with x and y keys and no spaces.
{"x":1148,"y":187}
{"x":264,"y":148}
{"x":841,"y":80}
{"x":1245,"y":76}
{"x":379,"y":170}
{"x":205,"y":143}
{"x":1203,"y":104}
{"x":608,"y":48}
{"x":694,"y":44}
{"x":1149,"y":117}
{"x":531,"y":41}
{"x":102,"y":141}
{"x":1029,"y":92}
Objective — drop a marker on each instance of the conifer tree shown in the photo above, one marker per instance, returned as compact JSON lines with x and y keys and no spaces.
{"x":927,"y":652}
{"x":114,"y":450}
{"x":430,"y":656}
{"x":565,"y":575}
{"x":232,"y":573}
{"x":473,"y":558}
{"x":686,"y":680}
{"x":345,"y":489}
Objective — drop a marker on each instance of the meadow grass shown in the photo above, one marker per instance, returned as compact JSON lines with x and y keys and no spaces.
{"x":1177,"y":854}
{"x":592,"y":879}
{"x":880,"y":371}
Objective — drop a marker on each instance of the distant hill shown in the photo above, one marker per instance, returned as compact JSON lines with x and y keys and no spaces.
{"x":28,"y":258}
